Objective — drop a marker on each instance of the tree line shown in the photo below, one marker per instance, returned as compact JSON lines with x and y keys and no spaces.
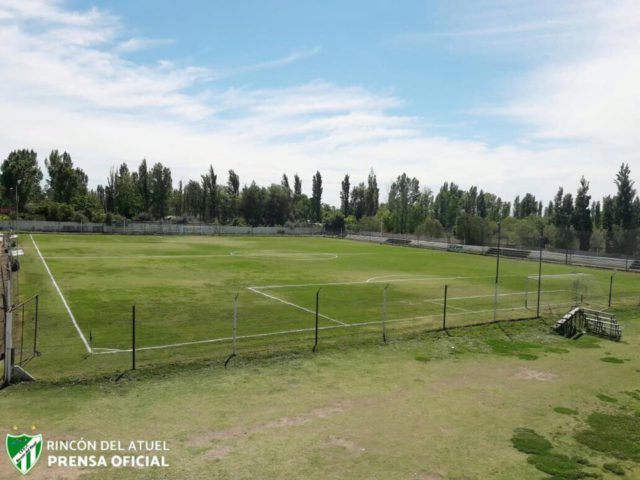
{"x":149,"y":193}
{"x":472,"y":216}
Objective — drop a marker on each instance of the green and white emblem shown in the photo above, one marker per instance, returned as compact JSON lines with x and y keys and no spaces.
{"x":24,"y":451}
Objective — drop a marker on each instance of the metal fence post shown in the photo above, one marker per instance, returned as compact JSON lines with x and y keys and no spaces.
{"x":133,"y":337}
{"x":315,"y":344}
{"x":35,"y":328}
{"x":234,"y":330}
{"x":539,"y":272}
{"x":444,"y":309}
{"x":610,"y":289}
{"x":495,"y":293}
{"x":384,"y":313}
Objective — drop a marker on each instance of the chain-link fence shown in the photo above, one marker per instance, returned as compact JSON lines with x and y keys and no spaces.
{"x":292,"y":318}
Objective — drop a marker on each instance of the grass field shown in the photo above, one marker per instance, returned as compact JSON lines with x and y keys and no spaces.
{"x":183,"y":289}
{"x":498,"y":401}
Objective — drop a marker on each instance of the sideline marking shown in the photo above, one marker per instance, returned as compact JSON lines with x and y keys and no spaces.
{"x":295,"y":305}
{"x":64,"y":302}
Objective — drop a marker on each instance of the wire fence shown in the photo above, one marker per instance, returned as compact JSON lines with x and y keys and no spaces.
{"x":293,"y":318}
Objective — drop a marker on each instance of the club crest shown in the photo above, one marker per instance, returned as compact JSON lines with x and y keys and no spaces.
{"x":24,"y":451}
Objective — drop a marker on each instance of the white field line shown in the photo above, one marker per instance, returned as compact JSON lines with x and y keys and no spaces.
{"x":491,"y":295}
{"x":441,"y":304}
{"x":372,"y":280}
{"x":560,"y":275}
{"x":298,"y":256}
{"x":64,"y":301}
{"x":300,"y":307}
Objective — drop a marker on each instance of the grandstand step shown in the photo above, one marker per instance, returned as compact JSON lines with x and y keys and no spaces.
{"x":635,"y":265}
{"x":508,"y":252}
{"x":397,"y":241}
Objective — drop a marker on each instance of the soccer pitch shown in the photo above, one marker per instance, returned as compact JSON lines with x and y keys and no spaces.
{"x":184,"y":289}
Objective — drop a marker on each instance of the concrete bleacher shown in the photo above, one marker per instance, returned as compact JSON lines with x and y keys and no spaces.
{"x":398,"y":241}
{"x":635,"y":265}
{"x":508,"y":252}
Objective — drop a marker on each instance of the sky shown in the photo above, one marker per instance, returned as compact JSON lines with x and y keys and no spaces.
{"x":511,"y":96}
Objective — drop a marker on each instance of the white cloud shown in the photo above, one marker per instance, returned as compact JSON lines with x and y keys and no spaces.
{"x":279,"y":62}
{"x":67,"y":86}
{"x":594,"y":98}
{"x":135,"y":44}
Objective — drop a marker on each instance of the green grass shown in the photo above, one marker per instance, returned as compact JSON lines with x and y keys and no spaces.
{"x":357,"y":408}
{"x":565,"y":411}
{"x":606,"y":398}
{"x":614,"y":468}
{"x":611,"y":360}
{"x":615,"y":434}
{"x":183,"y":289}
{"x":529,"y":441}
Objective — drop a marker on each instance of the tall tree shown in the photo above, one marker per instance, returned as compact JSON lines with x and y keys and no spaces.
{"x":252,"y":204}
{"x":403,"y":196}
{"x":344,"y":195}
{"x":20,"y":170}
{"x":481,"y":205}
{"x":143,"y":185}
{"x":358,"y":201}
{"x":372,"y":194}
{"x":596,"y":214}
{"x":284,"y":183}
{"x":528,"y":206}
{"x":65,"y":182}
{"x":233,"y":184}
{"x":623,"y":213}
{"x":193,"y":199}
{"x":297,"y":185}
{"x":470,"y":200}
{"x":210,"y":195}
{"x":121,"y":193}
{"x":316,"y":197}
{"x":582,"y":222}
{"x":161,"y":189}
{"x":276,"y":210}
{"x":516,"y":207}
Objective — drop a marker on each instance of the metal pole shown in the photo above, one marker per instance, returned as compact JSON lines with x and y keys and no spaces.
{"x":526,"y":292}
{"x":495,"y":293}
{"x":444,"y":310}
{"x":35,"y":329}
{"x":133,"y":337}
{"x":539,"y":272}
{"x":384,"y":313}
{"x":22,"y":334}
{"x":235,"y":323}
{"x":315,"y":344}
{"x":8,"y":333}
{"x":610,"y":289}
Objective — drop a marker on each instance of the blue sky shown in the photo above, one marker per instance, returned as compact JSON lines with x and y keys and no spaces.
{"x":510,"y":96}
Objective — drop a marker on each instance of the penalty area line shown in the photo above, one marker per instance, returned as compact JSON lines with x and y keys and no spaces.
{"x":304,"y":309}
{"x":64,"y":301}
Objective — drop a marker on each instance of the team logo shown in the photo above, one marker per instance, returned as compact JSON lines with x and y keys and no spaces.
{"x":24,"y":451}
